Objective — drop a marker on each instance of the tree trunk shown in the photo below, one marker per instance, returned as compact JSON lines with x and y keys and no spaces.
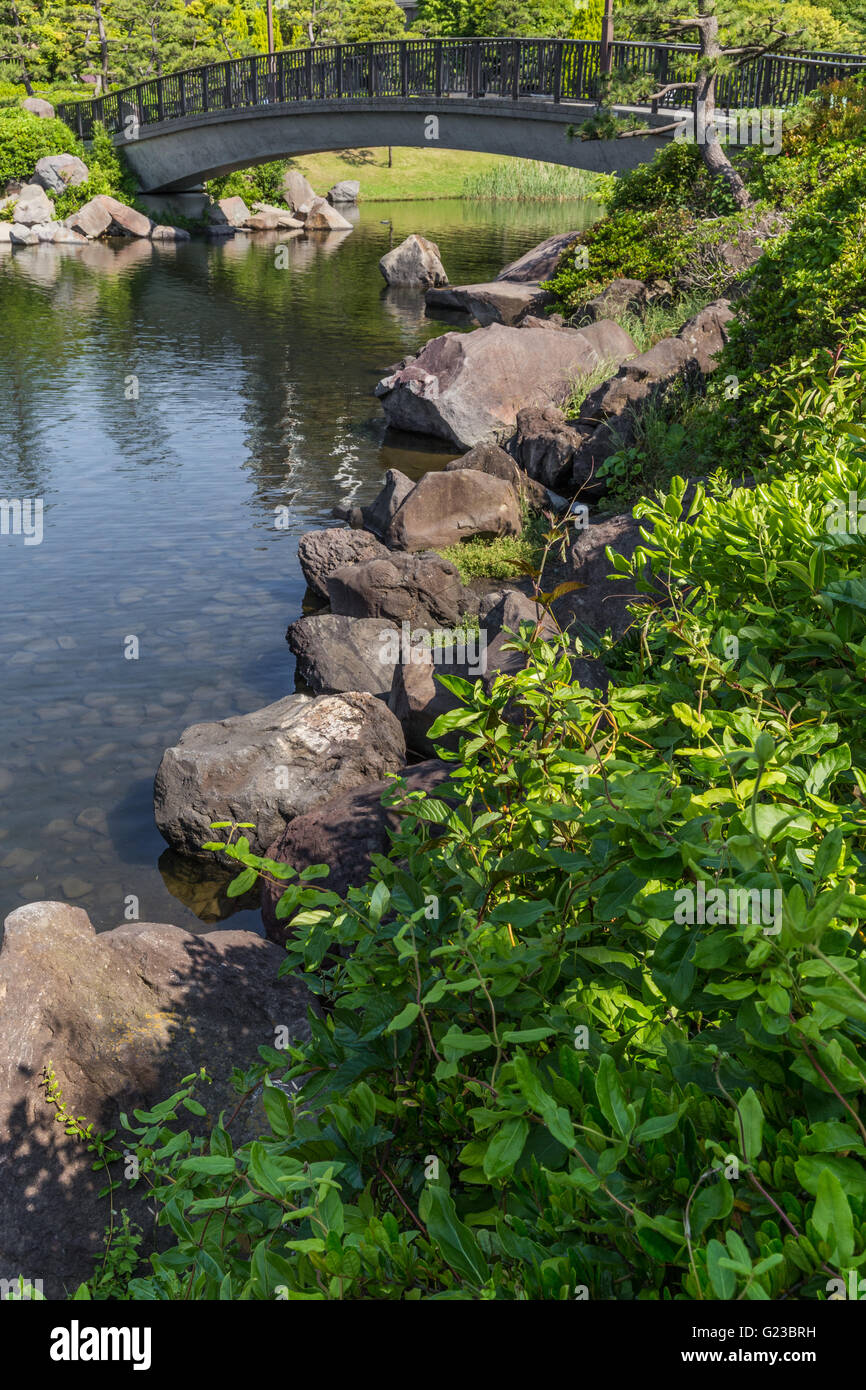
{"x":25,"y":74}
{"x":103,"y":43}
{"x":706,"y":134}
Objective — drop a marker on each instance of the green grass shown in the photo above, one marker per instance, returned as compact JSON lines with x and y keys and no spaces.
{"x":517,"y":179}
{"x":417,"y":174}
{"x":505,"y":557}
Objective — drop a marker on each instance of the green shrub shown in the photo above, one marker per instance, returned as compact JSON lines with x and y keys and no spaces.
{"x":643,"y":245}
{"x":676,"y":177}
{"x":260,"y":184}
{"x":25,"y":139}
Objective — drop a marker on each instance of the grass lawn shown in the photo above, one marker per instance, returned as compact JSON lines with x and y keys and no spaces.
{"x":416,"y":173}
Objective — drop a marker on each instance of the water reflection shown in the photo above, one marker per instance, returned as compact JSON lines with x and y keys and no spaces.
{"x":164,"y":400}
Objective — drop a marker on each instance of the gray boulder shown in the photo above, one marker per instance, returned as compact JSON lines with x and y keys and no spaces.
{"x":271,"y":765}
{"x":232,"y":212}
{"x":38,"y":106}
{"x":33,"y":206}
{"x":322,"y":552}
{"x":344,"y":833}
{"x":57,"y":172}
{"x":414,"y":262}
{"x":446,"y":508}
{"x":91,"y":221}
{"x":500,"y":301}
{"x":121,"y":1017}
{"x":379,"y":513}
{"x":322,"y":217}
{"x":336,"y":654}
{"x":346,"y":191}
{"x":296,"y":190}
{"x":541,"y":261}
{"x":162,"y":233}
{"x":706,"y":334}
{"x":469,"y":387}
{"x":619,"y":297}
{"x":423,"y":590}
{"x":545,"y":444}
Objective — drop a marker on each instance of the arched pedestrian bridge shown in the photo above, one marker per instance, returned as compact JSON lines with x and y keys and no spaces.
{"x":501,"y":96}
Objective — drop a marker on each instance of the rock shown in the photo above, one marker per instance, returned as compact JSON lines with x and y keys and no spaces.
{"x":603,"y":602}
{"x":379,"y":513}
{"x":446,"y":508}
{"x":322,"y":552}
{"x":296,"y":190}
{"x":23,"y":236}
{"x":540,"y":263}
{"x":414,"y":262}
{"x":272,"y":220}
{"x":336,"y":654}
{"x":545,"y":444}
{"x":500,"y":301}
{"x":47,"y":231}
{"x":469,"y":387}
{"x":490,"y":458}
{"x":232,"y":212}
{"x":621,"y":296}
{"x":57,"y":172}
{"x":346,"y":191}
{"x":344,"y":833}
{"x":161,"y":233}
{"x":90,"y":221}
{"x":39,"y":107}
{"x":33,"y":206}
{"x":707,"y":333}
{"x":65,"y":236}
{"x":271,"y":765}
{"x":121,"y":1017}
{"x":423,"y":590}
{"x":321,"y":217}
{"x":125,"y":221}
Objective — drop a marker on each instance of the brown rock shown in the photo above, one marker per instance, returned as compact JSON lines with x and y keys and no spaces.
{"x":378,"y":514}
{"x":336,"y":654}
{"x":322,"y":552}
{"x":121,"y":1017}
{"x":322,"y":217}
{"x":423,"y":590}
{"x":414,"y":262}
{"x":446,"y":508}
{"x":541,"y":262}
{"x":490,"y":458}
{"x":500,"y":301}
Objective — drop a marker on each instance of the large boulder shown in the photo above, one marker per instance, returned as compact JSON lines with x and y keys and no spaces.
{"x":490,"y":458}
{"x":322,"y":217}
{"x":344,"y":833}
{"x":32,"y":206}
{"x":336,"y":654}
{"x":231,"y":212}
{"x":271,"y":765}
{"x":423,"y":590}
{"x":121,"y":1017}
{"x":499,"y":301}
{"x":541,"y":261}
{"x":164,"y":233}
{"x":91,"y":221}
{"x":414,"y":262}
{"x":322,"y":552}
{"x":270,"y":219}
{"x":346,"y":191}
{"x":446,"y":508}
{"x":706,"y":334}
{"x":125,"y":221}
{"x":544,"y":445}
{"x":469,"y":387}
{"x":378,"y":514}
{"x":38,"y":106}
{"x":57,"y":172}
{"x":296,"y":190}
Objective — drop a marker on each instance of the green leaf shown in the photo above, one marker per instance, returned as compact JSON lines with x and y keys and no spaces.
{"x":751,"y":1123}
{"x":406,"y":1016}
{"x":832,"y":1219}
{"x":457,"y":1244}
{"x":505,"y":1148}
{"x":611,"y":1098}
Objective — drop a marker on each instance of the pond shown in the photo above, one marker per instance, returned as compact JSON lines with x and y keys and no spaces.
{"x":163,"y":404}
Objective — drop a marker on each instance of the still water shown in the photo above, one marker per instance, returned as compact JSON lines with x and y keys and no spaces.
{"x":163,"y":403}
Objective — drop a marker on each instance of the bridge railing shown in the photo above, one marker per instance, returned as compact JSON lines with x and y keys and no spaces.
{"x":543,"y":69}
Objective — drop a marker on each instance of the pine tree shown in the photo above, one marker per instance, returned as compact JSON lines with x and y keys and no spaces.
{"x":746,"y":38}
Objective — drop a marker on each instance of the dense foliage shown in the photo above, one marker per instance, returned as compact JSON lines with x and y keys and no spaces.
{"x":594,"y":1026}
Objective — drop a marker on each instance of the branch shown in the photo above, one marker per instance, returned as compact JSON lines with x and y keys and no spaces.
{"x":670,"y":87}
{"x":650,"y":130}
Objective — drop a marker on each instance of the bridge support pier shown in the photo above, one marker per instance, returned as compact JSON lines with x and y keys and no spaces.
{"x":185,"y":202}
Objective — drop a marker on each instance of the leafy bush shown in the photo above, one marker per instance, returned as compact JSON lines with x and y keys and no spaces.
{"x":25,"y":139}
{"x":643,"y":245}
{"x":534,"y":1077}
{"x":677,"y":177}
{"x":261,"y":184}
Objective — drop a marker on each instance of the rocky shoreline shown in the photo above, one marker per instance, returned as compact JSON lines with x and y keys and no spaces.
{"x":121,"y":1016}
